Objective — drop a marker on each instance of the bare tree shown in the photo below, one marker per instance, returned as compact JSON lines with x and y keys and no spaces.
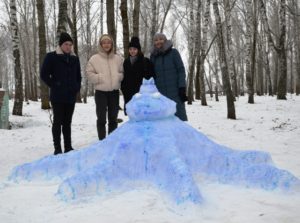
{"x":125,"y":24}
{"x":42,"y":51}
{"x":192,"y":55}
{"x":204,"y":52}
{"x":280,"y":48}
{"x":62,"y":18}
{"x":110,"y":19}
{"x":231,"y":63}
{"x":136,"y":17}
{"x":223,"y":63}
{"x":18,"y":103}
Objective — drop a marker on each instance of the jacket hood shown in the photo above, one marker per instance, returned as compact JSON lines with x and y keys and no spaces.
{"x":166,"y":47}
{"x":101,"y":50}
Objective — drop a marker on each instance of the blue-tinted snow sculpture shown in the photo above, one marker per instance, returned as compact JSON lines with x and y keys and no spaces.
{"x":154,"y":147}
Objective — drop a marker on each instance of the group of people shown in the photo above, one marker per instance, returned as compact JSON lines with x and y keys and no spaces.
{"x":109,"y":73}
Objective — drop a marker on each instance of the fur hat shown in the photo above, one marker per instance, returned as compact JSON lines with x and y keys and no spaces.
{"x":159,"y":35}
{"x":64,"y":37}
{"x":135,"y":42}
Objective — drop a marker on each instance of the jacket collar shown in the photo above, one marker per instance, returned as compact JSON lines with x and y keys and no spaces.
{"x":164,"y":50}
{"x":60,"y":52}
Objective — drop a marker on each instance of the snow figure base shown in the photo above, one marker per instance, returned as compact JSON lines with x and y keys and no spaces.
{"x":154,"y":147}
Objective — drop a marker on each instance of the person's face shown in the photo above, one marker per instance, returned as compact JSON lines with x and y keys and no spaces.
{"x":106,"y":45}
{"x":66,"y":47}
{"x":159,"y":42}
{"x":133,"y":51}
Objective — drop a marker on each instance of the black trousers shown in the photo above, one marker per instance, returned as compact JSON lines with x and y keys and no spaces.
{"x":107,"y":102}
{"x":62,"y":119}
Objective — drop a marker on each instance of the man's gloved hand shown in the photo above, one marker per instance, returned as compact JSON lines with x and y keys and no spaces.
{"x":182,"y":94}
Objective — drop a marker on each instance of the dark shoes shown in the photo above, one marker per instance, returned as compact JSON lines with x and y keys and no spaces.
{"x":57,"y":150}
{"x":68,"y":149}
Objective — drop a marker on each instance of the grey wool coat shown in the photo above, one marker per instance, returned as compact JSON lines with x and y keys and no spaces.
{"x":170,"y":75}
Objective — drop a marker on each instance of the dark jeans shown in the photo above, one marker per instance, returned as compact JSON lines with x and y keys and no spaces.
{"x":62,"y":119}
{"x":107,"y":102}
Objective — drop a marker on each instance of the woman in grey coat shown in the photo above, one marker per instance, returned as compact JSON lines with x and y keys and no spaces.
{"x":169,"y":73}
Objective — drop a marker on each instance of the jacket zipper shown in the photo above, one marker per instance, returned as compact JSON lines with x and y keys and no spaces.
{"x":109,"y":73}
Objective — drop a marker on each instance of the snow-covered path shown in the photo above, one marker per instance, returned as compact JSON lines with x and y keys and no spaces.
{"x":268,"y":125}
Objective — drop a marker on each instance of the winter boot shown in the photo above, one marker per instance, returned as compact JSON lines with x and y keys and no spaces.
{"x":57,"y":150}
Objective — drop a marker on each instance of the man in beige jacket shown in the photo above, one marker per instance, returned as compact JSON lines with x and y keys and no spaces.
{"x":105,"y":71}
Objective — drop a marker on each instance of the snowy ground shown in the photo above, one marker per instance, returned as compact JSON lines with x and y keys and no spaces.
{"x":268,"y":125}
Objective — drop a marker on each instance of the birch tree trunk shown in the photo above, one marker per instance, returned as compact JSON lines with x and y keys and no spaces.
{"x":62,"y":18}
{"x":280,"y":49}
{"x":197,"y":51}
{"x":192,"y":55}
{"x":203,"y":52}
{"x":223,"y":63}
{"x":18,"y":102}
{"x":35,"y":63}
{"x":251,"y":24}
{"x":231,"y":62}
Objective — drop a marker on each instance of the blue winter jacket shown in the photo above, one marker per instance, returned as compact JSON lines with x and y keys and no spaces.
{"x":170,"y":76}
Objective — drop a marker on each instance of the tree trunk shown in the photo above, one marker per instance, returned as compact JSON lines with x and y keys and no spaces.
{"x":110,"y":20}
{"x":73,"y":27}
{"x":124,"y":15}
{"x":282,"y":82}
{"x":62,"y":18}
{"x":101,"y":17}
{"x":203,"y":51}
{"x":136,"y":18}
{"x":268,"y":73}
{"x":35,"y":63}
{"x":18,"y":103}
{"x":153,"y":19}
{"x":197,"y":79}
{"x":280,"y":49}
{"x":292,"y":70}
{"x":223,"y":63}
{"x":251,"y":48}
{"x":231,"y":63}
{"x":42,"y":52}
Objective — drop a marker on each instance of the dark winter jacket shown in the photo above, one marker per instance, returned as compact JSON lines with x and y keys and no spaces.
{"x":134,"y":74}
{"x":62,"y":74}
{"x":170,"y":75}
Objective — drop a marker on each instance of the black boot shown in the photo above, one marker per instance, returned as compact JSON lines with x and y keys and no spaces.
{"x":68,"y":149}
{"x":57,"y":150}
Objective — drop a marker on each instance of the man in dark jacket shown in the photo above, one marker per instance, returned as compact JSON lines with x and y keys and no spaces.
{"x":61,"y":72}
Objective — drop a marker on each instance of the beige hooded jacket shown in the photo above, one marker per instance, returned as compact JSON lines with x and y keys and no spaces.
{"x":104,"y":70}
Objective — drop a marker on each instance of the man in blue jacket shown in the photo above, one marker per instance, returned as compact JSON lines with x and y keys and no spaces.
{"x":61,"y":72}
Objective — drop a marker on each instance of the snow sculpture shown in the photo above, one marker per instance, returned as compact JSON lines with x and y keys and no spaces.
{"x":154,"y":147}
